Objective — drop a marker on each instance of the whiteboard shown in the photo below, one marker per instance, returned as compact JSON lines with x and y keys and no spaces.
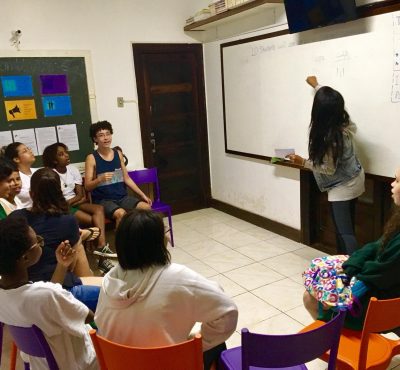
{"x":267,"y":103}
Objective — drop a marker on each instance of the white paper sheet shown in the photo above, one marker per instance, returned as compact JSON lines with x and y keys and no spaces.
{"x":68,"y":135}
{"x":5,"y":138}
{"x":26,"y":137}
{"x":45,"y":136}
{"x":282,"y":153}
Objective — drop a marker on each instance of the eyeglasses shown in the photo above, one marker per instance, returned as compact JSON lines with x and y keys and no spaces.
{"x":39,"y":242}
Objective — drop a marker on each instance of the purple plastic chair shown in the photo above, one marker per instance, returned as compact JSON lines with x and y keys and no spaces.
{"x":285,"y":351}
{"x":149,"y":176}
{"x":32,"y":342}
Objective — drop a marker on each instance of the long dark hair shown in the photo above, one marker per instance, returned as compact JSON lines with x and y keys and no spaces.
{"x":328,"y":118}
{"x":46,"y":193}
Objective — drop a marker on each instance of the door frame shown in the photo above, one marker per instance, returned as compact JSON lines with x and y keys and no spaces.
{"x":139,"y":49}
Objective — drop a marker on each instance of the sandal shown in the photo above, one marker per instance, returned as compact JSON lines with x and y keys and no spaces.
{"x":90,"y":234}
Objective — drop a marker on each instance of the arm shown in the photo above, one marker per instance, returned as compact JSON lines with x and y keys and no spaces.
{"x":91,"y":181}
{"x":328,"y":167}
{"x":79,"y":198}
{"x":65,"y":256}
{"x":217,"y":312}
{"x":130,"y":183}
{"x":356,"y":262}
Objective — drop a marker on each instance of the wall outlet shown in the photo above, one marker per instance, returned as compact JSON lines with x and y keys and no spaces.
{"x":120,"y":102}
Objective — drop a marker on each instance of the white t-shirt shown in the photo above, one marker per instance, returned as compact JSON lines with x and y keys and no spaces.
{"x":61,"y":318}
{"x":68,"y":181}
{"x":159,"y":306}
{"x":24,"y":197}
{"x":9,"y":207}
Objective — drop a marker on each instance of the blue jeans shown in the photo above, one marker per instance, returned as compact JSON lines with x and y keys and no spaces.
{"x":343,"y":214}
{"x":87,"y":294}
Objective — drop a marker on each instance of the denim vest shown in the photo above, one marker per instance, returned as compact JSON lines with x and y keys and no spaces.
{"x":348,"y":167}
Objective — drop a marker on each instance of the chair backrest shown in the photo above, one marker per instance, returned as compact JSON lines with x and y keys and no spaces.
{"x":32,"y":342}
{"x":276,"y":351}
{"x":1,"y":339}
{"x":382,"y":315}
{"x":147,"y":176}
{"x":182,"y":356}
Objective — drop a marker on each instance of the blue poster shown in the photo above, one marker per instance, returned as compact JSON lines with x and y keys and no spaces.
{"x":54,"y":106}
{"x":16,"y":86}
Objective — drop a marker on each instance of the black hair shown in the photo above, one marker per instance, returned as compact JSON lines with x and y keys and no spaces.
{"x":98,"y":126}
{"x":10,"y":152}
{"x":328,"y":119}
{"x":14,"y":242}
{"x":49,"y":155}
{"x":140,"y":240}
{"x":46,"y":193}
{"x":6,"y":169}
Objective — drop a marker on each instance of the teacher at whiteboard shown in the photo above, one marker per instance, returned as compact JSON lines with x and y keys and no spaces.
{"x":333,"y":160}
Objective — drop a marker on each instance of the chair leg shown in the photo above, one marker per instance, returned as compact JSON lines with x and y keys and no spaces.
{"x":170,"y":229}
{"x":13,"y":356}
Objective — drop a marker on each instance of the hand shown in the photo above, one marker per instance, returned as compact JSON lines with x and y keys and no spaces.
{"x":65,"y":254}
{"x":312,"y":81}
{"x":147,"y":200}
{"x":296,"y":159}
{"x":106,"y":176}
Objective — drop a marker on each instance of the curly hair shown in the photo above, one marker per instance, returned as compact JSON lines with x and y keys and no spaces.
{"x":392,"y":227}
{"x":49,"y":155}
{"x":98,"y":126}
{"x":14,"y":242}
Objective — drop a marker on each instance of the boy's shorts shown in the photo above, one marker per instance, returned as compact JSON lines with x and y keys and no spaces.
{"x":128,"y":203}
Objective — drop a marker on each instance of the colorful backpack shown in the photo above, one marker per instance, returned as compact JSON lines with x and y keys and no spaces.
{"x":326,"y":281}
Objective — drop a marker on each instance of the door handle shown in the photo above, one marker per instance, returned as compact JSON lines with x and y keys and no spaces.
{"x":153,"y":143}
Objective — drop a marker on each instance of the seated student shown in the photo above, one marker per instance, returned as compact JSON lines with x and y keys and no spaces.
{"x":7,"y":181}
{"x":10,"y":202}
{"x":376,"y":266}
{"x":49,"y":218}
{"x":23,"y":158}
{"x":147,"y":301}
{"x":56,"y":156}
{"x":107,"y":178}
{"x":55,"y":311}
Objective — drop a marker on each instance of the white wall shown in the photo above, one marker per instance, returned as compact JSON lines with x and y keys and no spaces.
{"x":253,"y":185}
{"x":106,"y":28}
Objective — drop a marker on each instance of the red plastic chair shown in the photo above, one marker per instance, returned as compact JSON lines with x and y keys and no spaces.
{"x":149,"y":176}
{"x":182,"y":356}
{"x":285,"y":351}
{"x":365,"y":349}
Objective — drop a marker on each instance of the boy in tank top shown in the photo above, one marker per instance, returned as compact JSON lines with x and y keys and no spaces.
{"x":106,"y":176}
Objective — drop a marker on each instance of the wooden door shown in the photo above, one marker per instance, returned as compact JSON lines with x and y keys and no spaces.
{"x":170,"y":85}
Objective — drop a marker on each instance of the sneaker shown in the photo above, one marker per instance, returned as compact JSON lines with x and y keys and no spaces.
{"x":105,"y":252}
{"x":105,"y":265}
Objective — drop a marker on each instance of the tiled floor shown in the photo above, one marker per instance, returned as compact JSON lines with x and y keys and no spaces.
{"x":260,"y":270}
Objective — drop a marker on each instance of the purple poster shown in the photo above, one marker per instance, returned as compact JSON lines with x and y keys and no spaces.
{"x":54,"y":84}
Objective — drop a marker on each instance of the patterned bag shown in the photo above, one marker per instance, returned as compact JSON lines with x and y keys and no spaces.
{"x":326,"y":281}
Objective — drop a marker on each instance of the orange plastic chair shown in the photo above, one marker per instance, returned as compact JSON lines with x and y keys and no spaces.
{"x":365,"y":349}
{"x":182,"y":356}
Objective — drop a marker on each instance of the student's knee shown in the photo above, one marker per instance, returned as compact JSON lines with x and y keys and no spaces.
{"x":310,"y":304}
{"x":118,"y":214}
{"x":143,"y":205}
